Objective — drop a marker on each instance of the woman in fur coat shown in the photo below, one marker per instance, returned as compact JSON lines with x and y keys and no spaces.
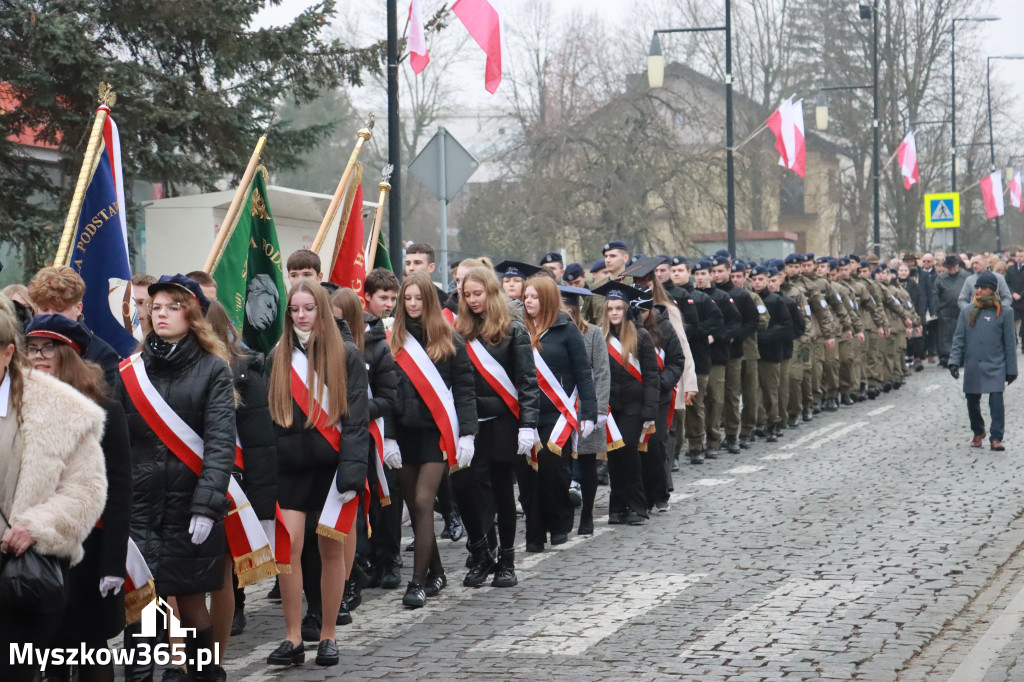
{"x":45,"y":427}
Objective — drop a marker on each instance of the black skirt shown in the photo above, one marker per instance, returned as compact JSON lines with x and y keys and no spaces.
{"x":498,"y":439}
{"x":305,"y":491}
{"x":419,"y":446}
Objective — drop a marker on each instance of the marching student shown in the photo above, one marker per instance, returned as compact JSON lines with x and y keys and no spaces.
{"x":436,"y":420}
{"x":513,"y":275}
{"x":178,"y":395}
{"x":771,"y":346}
{"x":507,"y":403}
{"x":633,"y":405}
{"x":595,"y":445}
{"x":319,"y":402}
{"x":95,"y":608}
{"x":563,"y":375}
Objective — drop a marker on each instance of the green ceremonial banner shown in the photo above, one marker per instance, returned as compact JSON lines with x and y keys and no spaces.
{"x":250,"y":273}
{"x":381,"y":259}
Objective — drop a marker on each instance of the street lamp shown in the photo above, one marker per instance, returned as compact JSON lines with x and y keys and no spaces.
{"x":952,"y":113}
{"x":821,"y":112}
{"x":656,"y":79}
{"x":991,"y":140}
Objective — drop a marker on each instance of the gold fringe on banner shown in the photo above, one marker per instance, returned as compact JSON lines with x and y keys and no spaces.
{"x":137,"y":600}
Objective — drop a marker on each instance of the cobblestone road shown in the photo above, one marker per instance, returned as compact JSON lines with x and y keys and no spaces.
{"x":871,"y":544}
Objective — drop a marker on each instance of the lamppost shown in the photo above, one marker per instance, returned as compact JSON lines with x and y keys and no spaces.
{"x":952,"y":113}
{"x":991,"y":140}
{"x":656,"y":79}
{"x":395,"y":248}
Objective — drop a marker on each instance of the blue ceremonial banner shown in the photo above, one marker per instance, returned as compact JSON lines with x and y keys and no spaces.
{"x":99,"y":252}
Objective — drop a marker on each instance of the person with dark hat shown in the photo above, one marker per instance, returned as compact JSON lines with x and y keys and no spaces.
{"x":675,"y":282}
{"x":750,"y":382}
{"x":946,"y":290}
{"x":750,"y":316}
{"x":849,"y":356}
{"x":830,"y":372}
{"x":871,"y":320}
{"x":513,"y":275}
{"x":721,"y":354}
{"x":574,"y":275}
{"x":776,"y":280}
{"x":553,"y":263}
{"x":818,"y":294}
{"x":771,"y":345}
{"x":616,"y":256}
{"x":633,"y":401}
{"x":985,"y":345}
{"x":799,"y":397}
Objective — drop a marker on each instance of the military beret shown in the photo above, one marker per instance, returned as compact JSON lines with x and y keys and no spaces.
{"x":821,"y":259}
{"x":178,"y":282}
{"x":614,"y":244}
{"x":598,"y":265}
{"x":722,"y":253}
{"x":573,"y":271}
{"x":60,"y":328}
{"x":739,"y":266}
{"x":702,"y":264}
{"x":772,"y":271}
{"x":843,"y":261}
{"x":759,"y":270}
{"x":553,"y":257}
{"x":679,"y":260}
{"x":808,"y":257}
{"x":719,"y":260}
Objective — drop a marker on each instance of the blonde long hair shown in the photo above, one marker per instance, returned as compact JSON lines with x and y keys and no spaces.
{"x":10,"y":333}
{"x":626,"y":333}
{"x":550,"y":305}
{"x":326,"y":353}
{"x":437,"y":333}
{"x":493,"y":325}
{"x":347,"y":302}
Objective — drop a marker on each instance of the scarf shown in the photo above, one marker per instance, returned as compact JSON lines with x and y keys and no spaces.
{"x":982,"y":301}
{"x":160,"y":348}
{"x":303,"y":337}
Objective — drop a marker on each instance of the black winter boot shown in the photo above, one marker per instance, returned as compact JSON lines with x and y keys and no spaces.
{"x":483,"y":564}
{"x":203,"y":641}
{"x":505,"y":576}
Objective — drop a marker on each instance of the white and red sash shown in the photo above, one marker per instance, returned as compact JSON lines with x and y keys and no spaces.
{"x":139,"y":588}
{"x":420,"y":369}
{"x":494,"y":374}
{"x":566,"y":405}
{"x":613,"y":437}
{"x":615,"y":351}
{"x":449,"y":315}
{"x":675,"y":389}
{"x":377,"y":436}
{"x":280,"y":543}
{"x":247,"y":542}
{"x":336,"y":518}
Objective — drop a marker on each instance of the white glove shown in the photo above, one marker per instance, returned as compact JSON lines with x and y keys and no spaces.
{"x":526,"y":441}
{"x":392,"y":455}
{"x":110,"y":584}
{"x":586,"y":427}
{"x":269,"y":527}
{"x":465,"y":450}
{"x":347,"y":496}
{"x":200,"y":527}
{"x":602,"y":420}
{"x":647,"y":425}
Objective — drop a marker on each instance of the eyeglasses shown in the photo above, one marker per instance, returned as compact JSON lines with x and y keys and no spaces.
{"x":294,"y":309}
{"x":169,"y":307}
{"x":47,"y":351}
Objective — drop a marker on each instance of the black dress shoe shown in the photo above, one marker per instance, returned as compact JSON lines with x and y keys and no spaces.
{"x":414,"y":597}
{"x":614,"y":519}
{"x":327,"y":653}
{"x":390,"y":576}
{"x":534,"y":547}
{"x":287,"y":654}
{"x":353,"y":594}
{"x":586,"y":526}
{"x":311,"y":627}
{"x":238,"y":622}
{"x":344,"y":616}
{"x":559,"y":539}
{"x":275,"y":592}
{"x":434,"y":583}
{"x":633,"y":519}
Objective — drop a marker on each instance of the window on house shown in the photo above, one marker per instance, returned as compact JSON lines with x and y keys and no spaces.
{"x":791,"y":195}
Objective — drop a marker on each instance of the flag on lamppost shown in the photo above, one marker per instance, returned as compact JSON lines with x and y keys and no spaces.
{"x":483,"y":21}
{"x":250,"y":272}
{"x":787,"y":123}
{"x":992,"y":194}
{"x":419,"y":57}
{"x":906,"y":154}
{"x":1015,"y":192}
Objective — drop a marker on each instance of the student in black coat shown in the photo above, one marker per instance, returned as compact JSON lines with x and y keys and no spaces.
{"x":95,"y":605}
{"x":423,"y":457}
{"x":636,"y":385}
{"x":669,"y":352}
{"x":544,"y":493}
{"x":721,"y":354}
{"x":771,"y":345}
{"x":487,"y":487}
{"x":311,"y":467}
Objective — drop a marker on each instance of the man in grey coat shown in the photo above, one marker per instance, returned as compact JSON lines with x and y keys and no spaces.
{"x":986,"y":346}
{"x":946,"y":290}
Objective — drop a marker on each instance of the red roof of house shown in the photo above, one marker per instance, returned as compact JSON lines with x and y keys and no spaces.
{"x":9,"y":100}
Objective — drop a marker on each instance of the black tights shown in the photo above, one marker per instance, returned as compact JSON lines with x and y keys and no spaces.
{"x":503,"y":476}
{"x":419,"y":483}
{"x":588,"y":484}
{"x":86,"y":673}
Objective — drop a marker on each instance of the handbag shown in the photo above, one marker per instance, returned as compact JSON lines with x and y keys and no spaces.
{"x":32,"y":582}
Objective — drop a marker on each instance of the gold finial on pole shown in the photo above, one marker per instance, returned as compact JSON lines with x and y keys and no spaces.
{"x":363,"y":135}
{"x":384,"y":186}
{"x":107,"y":97}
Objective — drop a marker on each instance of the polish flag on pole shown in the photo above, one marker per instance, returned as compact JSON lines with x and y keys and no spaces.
{"x":418,"y":55}
{"x":992,"y":193}
{"x":787,"y":123}
{"x":906,"y":154}
{"x":1015,"y":193}
{"x":482,"y":20}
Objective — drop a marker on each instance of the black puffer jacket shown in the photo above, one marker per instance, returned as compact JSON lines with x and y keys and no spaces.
{"x":257,"y":436}
{"x":300,"y":448}
{"x":796,"y":316}
{"x":382,"y":373}
{"x":732,"y":320}
{"x":630,"y":397}
{"x":771,"y":343}
{"x":701,"y":319}
{"x":165,"y":492}
{"x":516,"y":357}
{"x":749,"y":316}
{"x":563,"y":350}
{"x":457,"y":374}
{"x":675,"y":361}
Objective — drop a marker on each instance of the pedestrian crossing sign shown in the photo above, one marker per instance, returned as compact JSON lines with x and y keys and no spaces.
{"x":942,"y":210}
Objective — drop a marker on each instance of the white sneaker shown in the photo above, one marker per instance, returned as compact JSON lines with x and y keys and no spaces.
{"x":575,"y":494}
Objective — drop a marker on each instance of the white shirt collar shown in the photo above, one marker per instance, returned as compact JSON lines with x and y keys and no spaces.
{"x":5,"y":394}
